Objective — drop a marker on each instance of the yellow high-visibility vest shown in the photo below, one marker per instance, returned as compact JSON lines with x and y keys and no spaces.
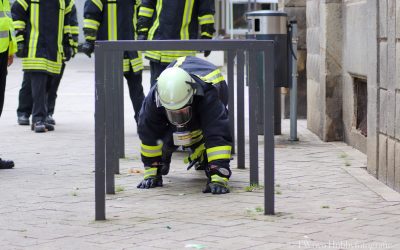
{"x":7,"y":37}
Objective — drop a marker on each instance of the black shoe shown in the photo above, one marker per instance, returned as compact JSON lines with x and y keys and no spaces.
{"x":40,"y":127}
{"x":6,"y":164}
{"x":50,"y":120}
{"x":49,"y":127}
{"x":23,"y":120}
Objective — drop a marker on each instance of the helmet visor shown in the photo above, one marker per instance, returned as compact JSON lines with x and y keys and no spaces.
{"x":179,"y":117}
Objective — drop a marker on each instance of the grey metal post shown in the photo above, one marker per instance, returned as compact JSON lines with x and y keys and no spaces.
{"x":293,"y":89}
{"x":253,"y":135}
{"x":240,"y":110}
{"x":113,"y":75}
{"x":117,"y":97}
{"x":99,"y":130}
{"x":120,"y":120}
{"x":269,"y":144}
{"x":277,"y":111}
{"x":109,"y":126}
{"x":231,"y":102}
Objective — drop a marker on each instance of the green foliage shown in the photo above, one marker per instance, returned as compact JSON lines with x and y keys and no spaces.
{"x":259,"y":209}
{"x":252,"y":187}
{"x":119,"y":189}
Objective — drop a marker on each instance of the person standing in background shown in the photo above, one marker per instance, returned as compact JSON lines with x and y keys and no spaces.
{"x":41,"y":41}
{"x":116,"y":20}
{"x":8,"y":46}
{"x":24,"y":109}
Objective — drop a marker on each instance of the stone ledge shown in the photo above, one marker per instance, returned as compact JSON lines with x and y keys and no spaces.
{"x":373,"y":184}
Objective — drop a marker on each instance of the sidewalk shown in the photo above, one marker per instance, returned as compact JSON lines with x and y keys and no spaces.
{"x":324,"y":196}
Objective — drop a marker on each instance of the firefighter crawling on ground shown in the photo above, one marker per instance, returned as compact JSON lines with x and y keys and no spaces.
{"x":187,"y":107}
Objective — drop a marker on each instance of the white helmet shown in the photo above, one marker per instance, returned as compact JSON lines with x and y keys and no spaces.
{"x":173,"y":88}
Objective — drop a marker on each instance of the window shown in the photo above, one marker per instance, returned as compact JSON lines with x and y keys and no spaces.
{"x":360,"y":105}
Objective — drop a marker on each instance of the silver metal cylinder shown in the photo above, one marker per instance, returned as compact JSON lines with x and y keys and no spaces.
{"x":267,"y":22}
{"x":271,"y":25}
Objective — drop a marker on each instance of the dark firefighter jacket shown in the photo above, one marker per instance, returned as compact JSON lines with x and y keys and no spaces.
{"x":40,"y":25}
{"x":113,"y":20}
{"x":209,"y":122}
{"x":175,"y":20}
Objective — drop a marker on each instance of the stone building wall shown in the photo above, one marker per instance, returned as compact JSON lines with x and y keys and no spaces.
{"x":324,"y":76}
{"x":353,"y":79}
{"x":354,"y":73}
{"x":386,"y":90}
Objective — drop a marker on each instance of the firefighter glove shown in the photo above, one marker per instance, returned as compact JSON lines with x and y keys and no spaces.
{"x":217,"y":185}
{"x":218,"y":178}
{"x":88,"y":48}
{"x":151,"y":179}
{"x":68,"y":53}
{"x":21,"y":49}
{"x":206,"y":52}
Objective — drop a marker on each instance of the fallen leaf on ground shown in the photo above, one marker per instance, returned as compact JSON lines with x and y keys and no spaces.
{"x":135,"y":171}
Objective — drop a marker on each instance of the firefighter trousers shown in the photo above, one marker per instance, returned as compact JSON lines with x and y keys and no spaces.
{"x":25,"y":95}
{"x":40,"y":83}
{"x":3,"y":76}
{"x":135,"y":91}
{"x":155,"y":70}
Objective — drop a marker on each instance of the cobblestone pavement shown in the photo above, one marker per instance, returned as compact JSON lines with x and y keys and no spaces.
{"x":324,"y":196}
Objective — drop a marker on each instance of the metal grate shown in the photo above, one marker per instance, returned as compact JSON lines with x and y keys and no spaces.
{"x":109,"y":113}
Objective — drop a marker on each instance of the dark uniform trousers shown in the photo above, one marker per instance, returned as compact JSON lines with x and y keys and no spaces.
{"x":40,"y":83}
{"x":3,"y":75}
{"x":25,"y":94}
{"x":135,"y":91}
{"x":156,"y":68}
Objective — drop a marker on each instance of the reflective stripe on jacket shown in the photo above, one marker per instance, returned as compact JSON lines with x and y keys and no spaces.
{"x":174,"y":20}
{"x":113,"y":20}
{"x":7,"y":36}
